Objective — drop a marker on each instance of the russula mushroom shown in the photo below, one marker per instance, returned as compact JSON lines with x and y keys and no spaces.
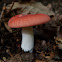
{"x":26,"y":22}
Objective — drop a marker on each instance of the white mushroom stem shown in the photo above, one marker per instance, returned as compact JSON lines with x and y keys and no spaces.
{"x":27,"y":39}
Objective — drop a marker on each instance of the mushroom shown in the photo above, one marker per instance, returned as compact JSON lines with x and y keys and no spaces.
{"x":26,"y":22}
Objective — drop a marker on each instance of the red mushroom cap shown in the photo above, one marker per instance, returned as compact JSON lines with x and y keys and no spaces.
{"x":28,"y":20}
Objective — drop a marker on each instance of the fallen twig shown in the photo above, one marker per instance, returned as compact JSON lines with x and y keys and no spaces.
{"x":4,"y":7}
{"x":11,"y":7}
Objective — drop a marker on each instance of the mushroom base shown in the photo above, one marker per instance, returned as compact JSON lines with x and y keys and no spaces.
{"x":27,"y":39}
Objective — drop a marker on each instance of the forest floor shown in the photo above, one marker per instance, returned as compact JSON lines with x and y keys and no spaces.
{"x":48,"y":36}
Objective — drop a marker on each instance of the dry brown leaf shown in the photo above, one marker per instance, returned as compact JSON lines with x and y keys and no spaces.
{"x":39,"y":61}
{"x":42,"y":8}
{"x":60,"y":46}
{"x":52,"y":55}
{"x":16,"y":58}
{"x":33,"y":8}
{"x":48,"y":57}
{"x":16,"y":5}
{"x":27,"y":10}
{"x":42,"y":54}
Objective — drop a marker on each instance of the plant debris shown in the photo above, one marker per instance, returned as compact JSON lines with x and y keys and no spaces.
{"x":48,"y":37}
